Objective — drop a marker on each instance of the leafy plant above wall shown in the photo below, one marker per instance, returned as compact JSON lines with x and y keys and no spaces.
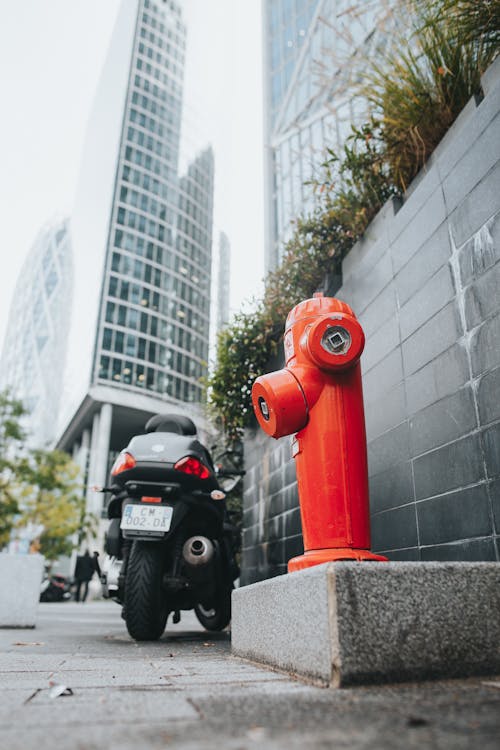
{"x":416,"y":92}
{"x":419,"y":89}
{"x":349,"y":193}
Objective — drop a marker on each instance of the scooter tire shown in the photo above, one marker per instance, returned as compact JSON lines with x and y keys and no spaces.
{"x":218,"y":617}
{"x":146,"y":608}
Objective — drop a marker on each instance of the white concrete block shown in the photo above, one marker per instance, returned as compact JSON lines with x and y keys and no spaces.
{"x":20,"y":580}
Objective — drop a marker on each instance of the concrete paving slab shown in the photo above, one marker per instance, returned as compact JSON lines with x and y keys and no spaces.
{"x":213,"y":700}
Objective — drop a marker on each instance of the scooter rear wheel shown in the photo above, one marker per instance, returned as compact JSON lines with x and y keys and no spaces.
{"x":217,"y":617}
{"x":146,"y":608}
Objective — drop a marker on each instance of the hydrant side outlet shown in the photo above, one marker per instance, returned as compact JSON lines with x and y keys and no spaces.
{"x":318,"y":396}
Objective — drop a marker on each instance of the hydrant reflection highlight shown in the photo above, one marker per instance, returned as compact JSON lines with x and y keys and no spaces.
{"x":318,"y":396}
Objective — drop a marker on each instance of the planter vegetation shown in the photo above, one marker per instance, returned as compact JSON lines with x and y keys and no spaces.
{"x":415,"y":92}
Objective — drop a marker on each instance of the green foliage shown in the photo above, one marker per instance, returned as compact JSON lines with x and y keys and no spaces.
{"x":415,"y":90}
{"x":38,"y":488}
{"x":470,"y":21}
{"x":348,"y":195}
{"x":52,"y":501}
{"x":419,"y":89}
{"x":11,"y":439}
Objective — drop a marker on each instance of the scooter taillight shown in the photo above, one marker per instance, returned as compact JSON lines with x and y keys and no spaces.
{"x":193,"y":466}
{"x":124,"y":462}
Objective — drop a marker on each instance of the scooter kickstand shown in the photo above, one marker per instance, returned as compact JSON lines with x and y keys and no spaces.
{"x":177,"y":617}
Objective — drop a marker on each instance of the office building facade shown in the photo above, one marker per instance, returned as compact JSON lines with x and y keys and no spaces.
{"x":310,"y":51}
{"x":142,"y":238}
{"x":34,"y":349}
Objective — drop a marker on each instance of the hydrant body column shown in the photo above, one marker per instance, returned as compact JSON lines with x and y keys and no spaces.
{"x":319,"y":397}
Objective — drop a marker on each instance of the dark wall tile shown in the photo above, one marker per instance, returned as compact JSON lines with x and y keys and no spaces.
{"x":290,"y":472}
{"x":481,"y":252}
{"x":494,"y":489}
{"x":394,"y":529}
{"x":459,"y":515}
{"x":434,"y":254}
{"x":386,"y":411}
{"x":381,"y":343}
{"x":439,"y":378}
{"x":491,"y":442}
{"x":412,"y":554}
{"x":383,"y":307}
{"x":485,"y":346}
{"x":391,"y":488}
{"x":475,"y":550}
{"x":488,"y":396}
{"x":293,"y":525}
{"x":294,"y":546}
{"x":433,"y":338}
{"x":291,"y":497}
{"x":482,"y":299}
{"x":427,"y":301}
{"x":388,"y":371}
{"x":450,"y":467}
{"x":389,"y":449}
{"x":442,"y":422}
{"x":478,"y":207}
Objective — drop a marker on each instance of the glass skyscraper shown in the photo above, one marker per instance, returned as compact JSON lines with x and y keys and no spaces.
{"x":142,"y":240}
{"x":34,"y":348}
{"x":310,"y":51}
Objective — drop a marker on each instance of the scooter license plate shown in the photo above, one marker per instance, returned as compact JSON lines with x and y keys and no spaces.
{"x":141,"y":518}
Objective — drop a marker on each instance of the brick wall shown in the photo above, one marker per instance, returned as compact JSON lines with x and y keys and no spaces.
{"x":425,"y":284}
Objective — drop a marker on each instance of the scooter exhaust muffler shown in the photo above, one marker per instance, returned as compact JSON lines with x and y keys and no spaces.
{"x":198,"y":551}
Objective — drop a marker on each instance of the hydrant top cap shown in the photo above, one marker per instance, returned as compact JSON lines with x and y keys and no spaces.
{"x":318,"y":305}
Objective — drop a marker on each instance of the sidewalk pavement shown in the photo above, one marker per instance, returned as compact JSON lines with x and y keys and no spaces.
{"x":187,"y":691}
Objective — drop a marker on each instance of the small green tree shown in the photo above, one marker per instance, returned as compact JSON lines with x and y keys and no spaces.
{"x":52,"y":501}
{"x":12,"y":436}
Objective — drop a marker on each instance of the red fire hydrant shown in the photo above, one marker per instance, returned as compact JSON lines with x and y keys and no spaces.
{"x":318,"y":396}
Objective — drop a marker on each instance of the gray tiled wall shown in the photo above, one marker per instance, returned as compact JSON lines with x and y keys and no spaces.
{"x":425,"y":284}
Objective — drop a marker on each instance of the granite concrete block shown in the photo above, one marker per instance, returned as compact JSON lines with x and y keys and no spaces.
{"x":350,"y":623}
{"x":20,"y":580}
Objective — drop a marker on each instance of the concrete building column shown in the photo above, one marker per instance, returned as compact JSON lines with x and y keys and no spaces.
{"x":101,"y":464}
{"x":93,"y":500}
{"x":99,"y":451}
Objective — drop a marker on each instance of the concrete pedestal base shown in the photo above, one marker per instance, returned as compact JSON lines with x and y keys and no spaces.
{"x":20,"y":580}
{"x":349,"y":623}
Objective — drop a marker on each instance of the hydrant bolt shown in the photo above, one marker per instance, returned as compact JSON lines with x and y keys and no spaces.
{"x":336,"y":340}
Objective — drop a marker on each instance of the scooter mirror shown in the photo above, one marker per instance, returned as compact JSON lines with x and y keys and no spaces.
{"x":228,"y":483}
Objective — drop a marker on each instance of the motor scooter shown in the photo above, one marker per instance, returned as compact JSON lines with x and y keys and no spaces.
{"x":170,"y":541}
{"x":55,"y":588}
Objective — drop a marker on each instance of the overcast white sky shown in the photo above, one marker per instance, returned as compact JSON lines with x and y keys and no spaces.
{"x":51,"y":54}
